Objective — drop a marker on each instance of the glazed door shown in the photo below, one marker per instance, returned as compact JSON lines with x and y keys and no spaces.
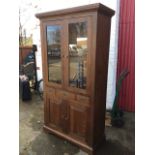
{"x":78,"y":49}
{"x":53,"y":53}
{"x":67,"y":54}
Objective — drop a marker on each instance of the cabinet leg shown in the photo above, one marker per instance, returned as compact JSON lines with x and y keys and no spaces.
{"x":91,"y":152}
{"x":88,"y":152}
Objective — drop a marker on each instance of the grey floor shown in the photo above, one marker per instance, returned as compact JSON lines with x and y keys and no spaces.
{"x":33,"y":140}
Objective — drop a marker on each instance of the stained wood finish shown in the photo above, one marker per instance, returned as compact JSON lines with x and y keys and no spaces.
{"x":101,"y":72}
{"x":81,"y":9}
{"x":75,"y":114}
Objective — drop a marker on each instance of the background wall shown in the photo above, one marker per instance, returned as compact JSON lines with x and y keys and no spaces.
{"x":48,"y":5}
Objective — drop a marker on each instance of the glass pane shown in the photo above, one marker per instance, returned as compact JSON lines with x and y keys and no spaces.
{"x":78,"y":54}
{"x":54,"y":54}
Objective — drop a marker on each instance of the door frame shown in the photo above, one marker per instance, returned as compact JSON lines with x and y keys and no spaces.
{"x":75,"y":20}
{"x":45,"y":24}
{"x":65,"y":52}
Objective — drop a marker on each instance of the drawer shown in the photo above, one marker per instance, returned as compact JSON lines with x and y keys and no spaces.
{"x":49,"y":90}
{"x":83,"y":99}
{"x":65,"y":94}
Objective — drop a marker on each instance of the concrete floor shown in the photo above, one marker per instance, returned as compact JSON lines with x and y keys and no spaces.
{"x":33,"y":140}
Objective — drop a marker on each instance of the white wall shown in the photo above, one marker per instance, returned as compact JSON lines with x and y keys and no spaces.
{"x":48,"y":5}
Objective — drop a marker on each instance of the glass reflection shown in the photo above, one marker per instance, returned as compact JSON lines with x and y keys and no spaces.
{"x":78,"y":54}
{"x":54,"y":54}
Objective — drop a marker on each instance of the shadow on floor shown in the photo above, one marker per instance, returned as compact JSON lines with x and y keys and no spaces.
{"x":113,"y":148}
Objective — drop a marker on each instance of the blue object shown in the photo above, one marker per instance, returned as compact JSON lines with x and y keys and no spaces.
{"x":29,"y":58}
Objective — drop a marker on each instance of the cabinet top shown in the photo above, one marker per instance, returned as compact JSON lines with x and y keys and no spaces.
{"x":85,"y":8}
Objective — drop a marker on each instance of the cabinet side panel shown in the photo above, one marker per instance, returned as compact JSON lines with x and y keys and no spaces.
{"x":101,"y":71}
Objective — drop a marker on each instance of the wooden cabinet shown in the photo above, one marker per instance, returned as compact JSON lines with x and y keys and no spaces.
{"x":75,"y":49}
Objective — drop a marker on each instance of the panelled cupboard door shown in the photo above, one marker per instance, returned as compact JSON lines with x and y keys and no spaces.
{"x":70,"y":117}
{"x":79,"y":124}
{"x":53,"y":53}
{"x":57,"y":111}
